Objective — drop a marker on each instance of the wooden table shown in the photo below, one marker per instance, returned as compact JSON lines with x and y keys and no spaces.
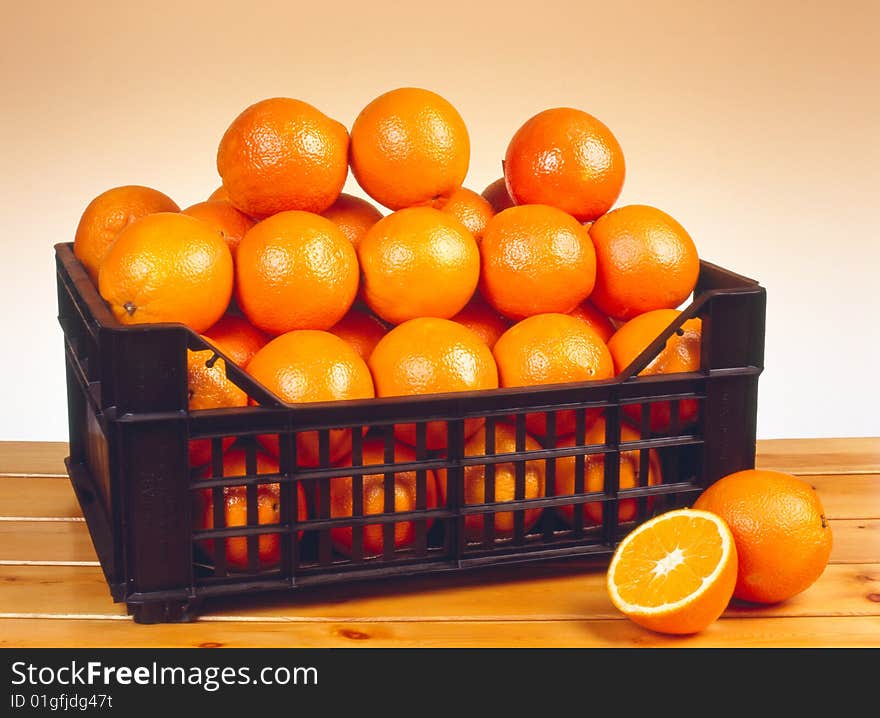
{"x":52,"y":591}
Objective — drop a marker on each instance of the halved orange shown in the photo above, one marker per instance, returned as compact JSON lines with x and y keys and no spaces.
{"x":674,"y":573}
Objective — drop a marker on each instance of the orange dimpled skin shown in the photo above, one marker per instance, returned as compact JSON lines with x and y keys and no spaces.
{"x":167,"y":267}
{"x":107,"y":215}
{"x":308,"y":366}
{"x":360,"y":329}
{"x":295,"y":270}
{"x":645,"y":260}
{"x":479,"y":317}
{"x":783,"y":539}
{"x":226,"y":219}
{"x":283,"y":154}
{"x":430,"y":356}
{"x":536,"y":259}
{"x":418,"y":262}
{"x":469,"y":208}
{"x":681,"y":353}
{"x":353,"y":215}
{"x":237,"y":338}
{"x":405,"y":498}
{"x":409,"y":147}
{"x":552,"y":349}
{"x":568,"y":159}
{"x":594,"y":475}
{"x":587,"y":312}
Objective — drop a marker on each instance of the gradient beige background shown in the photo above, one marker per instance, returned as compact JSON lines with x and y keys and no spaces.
{"x":754,"y":123}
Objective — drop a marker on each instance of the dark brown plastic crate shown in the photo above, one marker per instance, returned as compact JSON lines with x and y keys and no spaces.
{"x":130,"y":430}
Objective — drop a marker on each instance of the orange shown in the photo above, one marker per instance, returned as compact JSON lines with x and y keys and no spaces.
{"x":587,"y":312}
{"x":432,"y":356}
{"x":644,"y":260}
{"x":107,"y":215}
{"x":680,"y":354}
{"x":353,"y":215}
{"x":552,"y":349}
{"x":536,"y":259}
{"x":594,"y":474}
{"x":418,"y":262}
{"x":239,"y":338}
{"x":505,"y":483}
{"x":295,"y":270}
{"x":469,"y":208}
{"x":409,"y":147}
{"x":167,"y":267}
{"x":405,"y":489}
{"x":226,"y":219}
{"x":782,"y":537}
{"x":568,"y":159}
{"x":497,"y":196}
{"x":307,"y":366}
{"x":235,"y":510}
{"x":479,"y":317}
{"x":209,"y":388}
{"x":674,"y":573}
{"x":281,"y":154}
{"x":219,"y":193}
{"x":361,"y":329}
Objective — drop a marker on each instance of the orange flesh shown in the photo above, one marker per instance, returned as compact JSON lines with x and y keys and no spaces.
{"x":668,"y":563}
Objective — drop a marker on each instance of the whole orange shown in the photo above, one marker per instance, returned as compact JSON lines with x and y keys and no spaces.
{"x":681,"y":353}
{"x":405,"y":499}
{"x":431,"y":356}
{"x":496,"y":194}
{"x":235,"y":508}
{"x":418,"y":262}
{"x":353,"y":215}
{"x":361,"y":329}
{"x":552,"y":349}
{"x":409,"y":147}
{"x":594,"y":475}
{"x":536,"y":259}
{"x":210,"y":388}
{"x":283,"y":154}
{"x":219,"y":193}
{"x":308,"y":366}
{"x":782,"y":537}
{"x":230,"y":222}
{"x":107,"y":215}
{"x":168,"y":267}
{"x":505,"y":482}
{"x":644,"y":260}
{"x":568,"y":159}
{"x":469,"y":208}
{"x":295,"y":270}
{"x":238,"y":338}
{"x":481,"y":318}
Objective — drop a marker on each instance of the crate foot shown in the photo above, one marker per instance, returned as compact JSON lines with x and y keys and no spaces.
{"x":164,"y":611}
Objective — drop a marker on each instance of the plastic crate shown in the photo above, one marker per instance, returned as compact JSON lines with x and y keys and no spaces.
{"x":130,"y":430}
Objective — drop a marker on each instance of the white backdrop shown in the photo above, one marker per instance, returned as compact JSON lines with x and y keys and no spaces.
{"x":755,"y":125}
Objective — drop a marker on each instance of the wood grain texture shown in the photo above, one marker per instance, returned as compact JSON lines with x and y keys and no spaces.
{"x":831,"y":631}
{"x":53,"y":593}
{"x":573,"y":594}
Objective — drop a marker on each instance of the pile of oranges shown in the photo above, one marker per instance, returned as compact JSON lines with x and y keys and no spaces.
{"x":431,"y":288}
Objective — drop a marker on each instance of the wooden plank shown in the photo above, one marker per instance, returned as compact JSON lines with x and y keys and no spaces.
{"x":825,"y":631}
{"x":855,"y":541}
{"x":801,"y":456}
{"x":820,"y":456}
{"x":43,"y":497}
{"x":33,"y":458}
{"x":55,"y":541}
{"x":848,"y":496}
{"x":579,"y":593}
